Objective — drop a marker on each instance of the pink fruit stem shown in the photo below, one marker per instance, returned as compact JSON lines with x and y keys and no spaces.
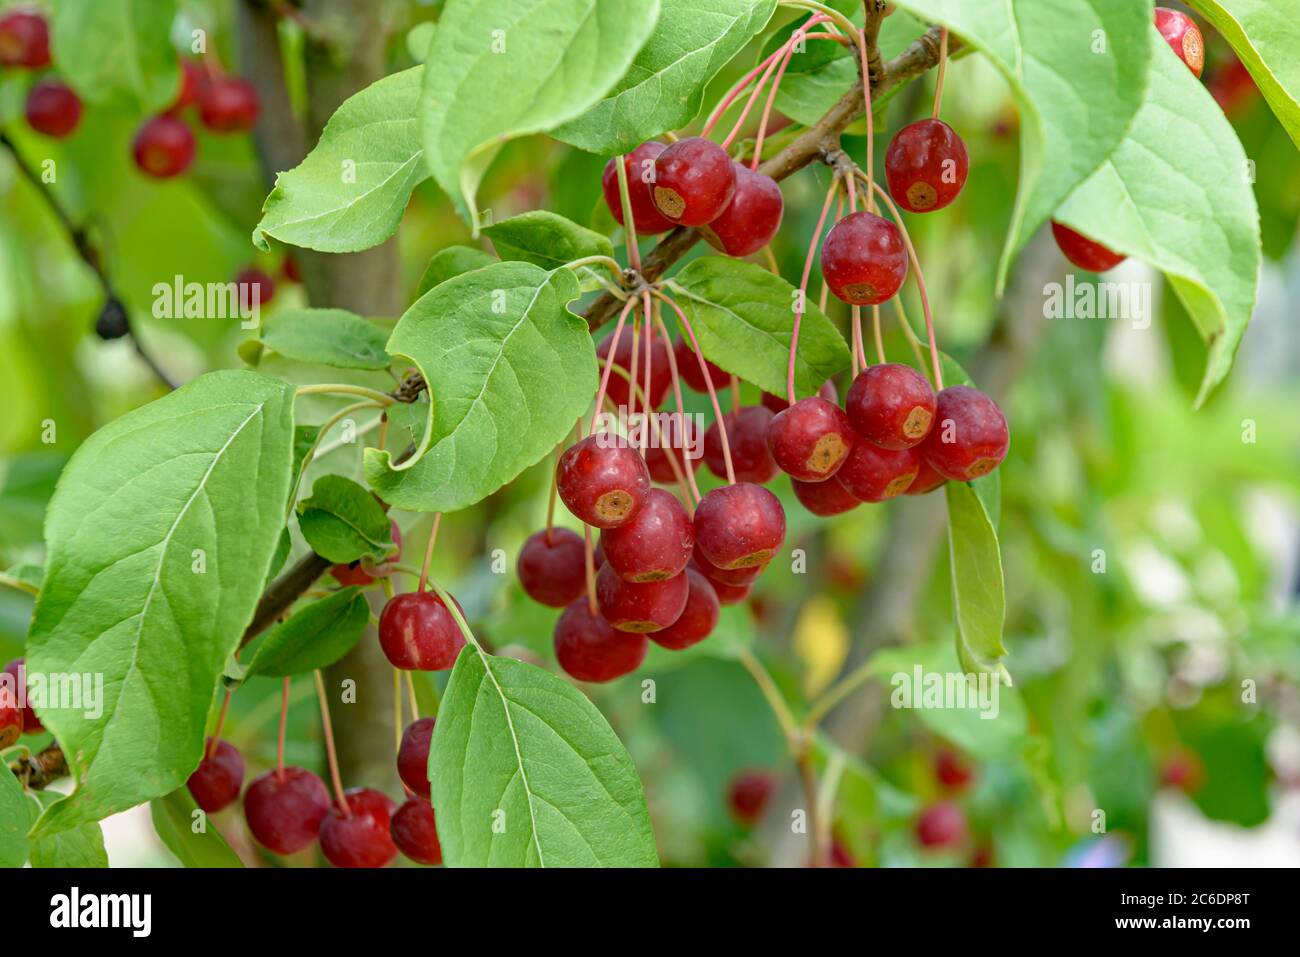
{"x":428,"y":551}
{"x":613,"y":351}
{"x":725,"y":103}
{"x":859,"y":342}
{"x":590,"y":561}
{"x":330,"y":751}
{"x":772,"y":63}
{"x":920,"y":285}
{"x":708,"y":382}
{"x":550,"y":501}
{"x":689,"y":479}
{"x":284,"y":720}
{"x":803,"y":288}
{"x":871,"y":133}
{"x":943,"y":68}
{"x":216,"y":732}
{"x":646,"y":405}
{"x":776,"y":85}
{"x":629,"y":221}
{"x":633,"y":378}
{"x":880,"y":337}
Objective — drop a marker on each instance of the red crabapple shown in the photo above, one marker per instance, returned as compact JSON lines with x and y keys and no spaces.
{"x":952,"y":770}
{"x":24,"y":40}
{"x":926,"y":165}
{"x":747,"y":439}
{"x":661,"y":373}
{"x":694,"y":181}
{"x":891,"y":405}
{"x":192,"y":81}
{"x":552,"y":566}
{"x":640,"y":175}
{"x":927,"y":479}
{"x":810,"y":440}
{"x":254,"y":286}
{"x":864,"y":261}
{"x":215,"y":783}
{"x":228,"y":104}
{"x":17,"y":671}
{"x":655,"y":544}
{"x":969,"y":438}
{"x":414,"y":830}
{"x":1082,"y":251}
{"x":941,"y":825}
{"x":698,"y":618}
{"x":284,"y":809}
{"x":419,"y":633}
{"x":602,"y":482}
{"x":688,"y":367}
{"x":640,"y":607}
{"x":11,"y":717}
{"x":164,"y":147}
{"x":748,"y":794}
{"x":728,"y":576}
{"x":738,"y":526}
{"x":827,"y":392}
{"x":751,"y":219}
{"x":680,"y":434}
{"x":53,"y":109}
{"x":874,"y":474}
{"x":413,"y":756}
{"x":825,"y":498}
{"x":588,"y":648}
{"x":358,"y":836}
{"x":1181,"y":32}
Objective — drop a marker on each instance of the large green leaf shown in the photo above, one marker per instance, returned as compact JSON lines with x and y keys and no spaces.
{"x":1177,"y":194}
{"x":546,"y":239}
{"x":159,"y":538}
{"x":175,"y":819}
{"x":332,"y":337}
{"x":117,"y":50}
{"x":1077,"y":69}
{"x":351,"y":190}
{"x":342,"y":522}
{"x":527,"y":773}
{"x":315,"y":636}
{"x":450,"y":262}
{"x":1266,"y":37}
{"x":81,"y":846}
{"x":509,"y":369}
{"x":13,"y":820}
{"x":499,"y":69}
{"x":978,"y":595}
{"x":664,"y":88}
{"x":743,"y":317}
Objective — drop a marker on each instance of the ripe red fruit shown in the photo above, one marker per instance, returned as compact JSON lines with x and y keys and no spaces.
{"x":827,"y":392}
{"x":228,"y":104}
{"x":679,"y":433}
{"x":413,"y":756}
{"x":728,"y":576}
{"x":418,"y":633}
{"x":891,"y":405}
{"x":192,"y":81}
{"x":864,"y":261}
{"x":970,"y":436}
{"x":694,"y":181}
{"x":825,"y":498}
{"x":24,"y":40}
{"x":291,"y":270}
{"x":739,"y":526}
{"x":363,"y":572}
{"x":688,"y":367}
{"x":17,"y":671}
{"x":415,"y":832}
{"x":927,"y":479}
{"x":656,"y":543}
{"x":284,"y":809}
{"x":874,"y":474}
{"x":215,"y":783}
{"x":164,"y":147}
{"x":590,"y":649}
{"x":941,"y":825}
{"x":748,"y":794}
{"x":601,"y":482}
{"x":698,"y":618}
{"x":661,"y":373}
{"x":1184,"y":770}
{"x":53,"y":109}
{"x":640,"y":607}
{"x":730,"y":594}
{"x":926,"y":166}
{"x":1082,"y":251}
{"x":359,"y":836}
{"x":747,"y":438}
{"x":640,"y":175}
{"x":811,"y":439}
{"x":254,"y":286}
{"x":11,"y":717}
{"x":553,"y":566}
{"x":1181,"y":32}
{"x":751,"y":219}
{"x":952,"y":770}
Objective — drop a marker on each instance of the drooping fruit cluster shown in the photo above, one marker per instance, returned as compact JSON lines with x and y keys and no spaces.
{"x":165,"y":145}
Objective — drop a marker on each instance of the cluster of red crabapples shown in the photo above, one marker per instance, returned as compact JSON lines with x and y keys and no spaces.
{"x":1184,"y":36}
{"x":164,"y":145}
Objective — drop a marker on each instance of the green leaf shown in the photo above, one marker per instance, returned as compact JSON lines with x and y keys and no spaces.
{"x":117,"y":50}
{"x":546,"y":239}
{"x":527,"y":773}
{"x":1076,"y":67}
{"x":1181,"y":164}
{"x":450,"y":262}
{"x":13,"y":821}
{"x":342,"y":522}
{"x":332,"y":337}
{"x":316,"y":636}
{"x":664,"y":88}
{"x":351,"y":190}
{"x":159,"y":538}
{"x":743,"y":317}
{"x":500,"y":69}
{"x":978,"y":595}
{"x":1265,"y":35}
{"x":175,"y":817}
{"x":79,"y":847}
{"x":509,"y":370}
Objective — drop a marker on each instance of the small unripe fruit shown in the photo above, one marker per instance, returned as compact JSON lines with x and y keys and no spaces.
{"x":215,"y":783}
{"x":1082,"y":251}
{"x":970,"y":436}
{"x":588,"y":648}
{"x":864,"y":261}
{"x":694,"y":181}
{"x":640,"y":175}
{"x":602,"y":482}
{"x":552,"y":566}
{"x":359,"y":836}
{"x":926,"y":166}
{"x":891,"y":405}
{"x":53,"y":109}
